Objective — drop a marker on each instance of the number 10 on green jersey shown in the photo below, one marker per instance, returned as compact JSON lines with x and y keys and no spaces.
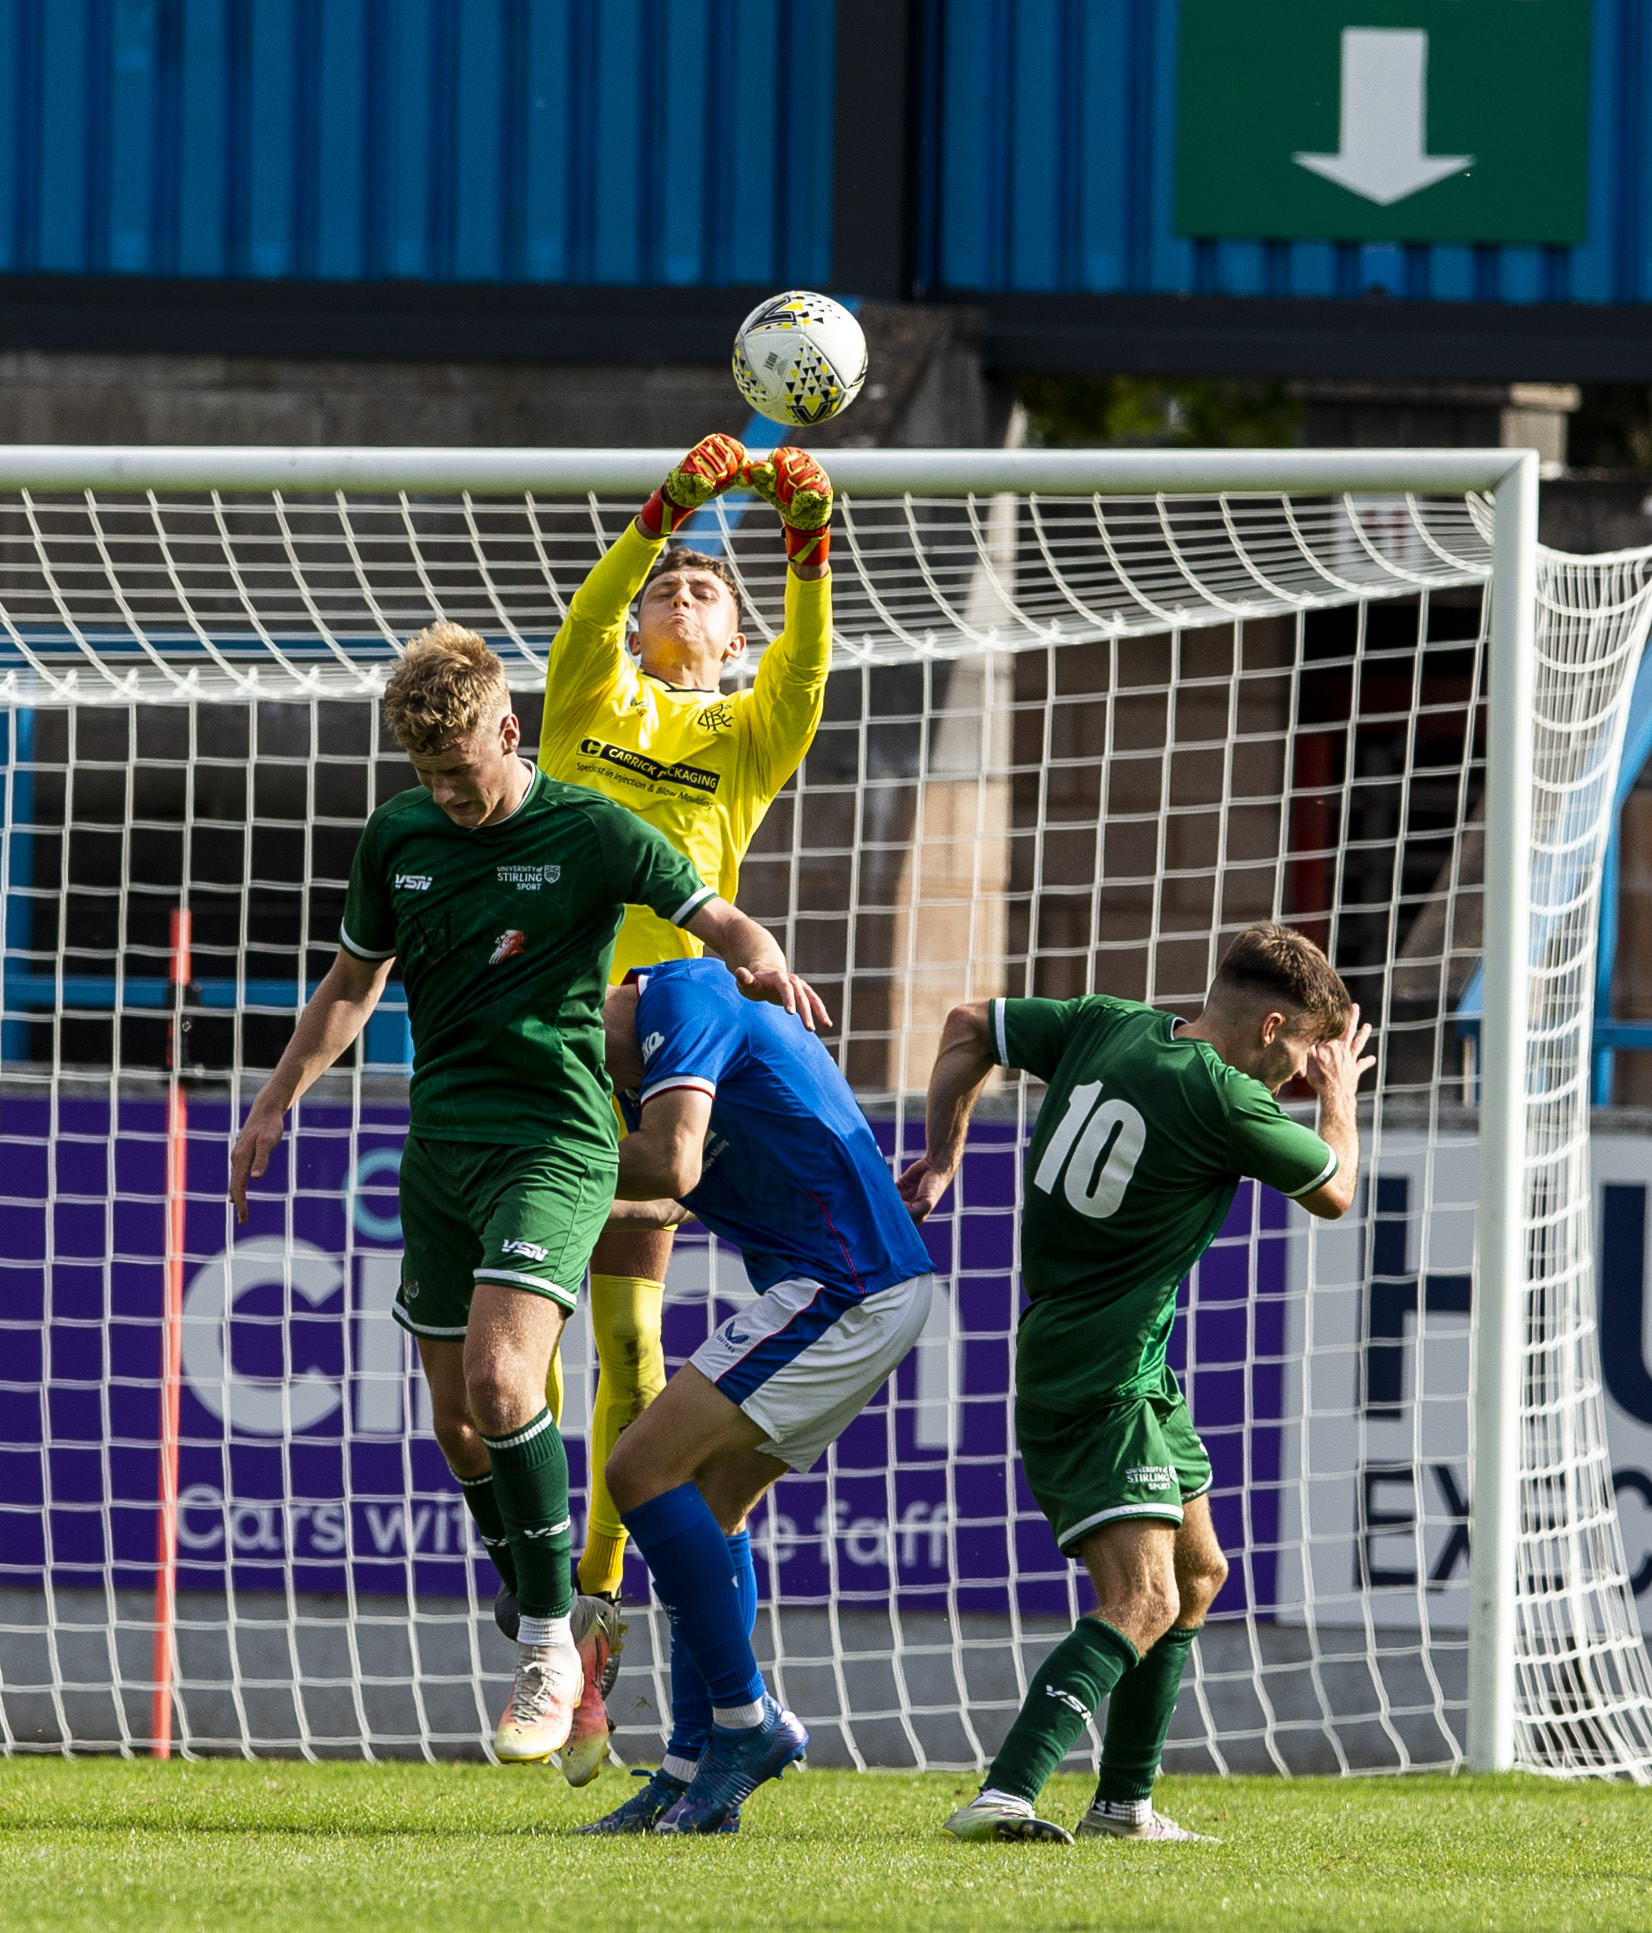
{"x":1138,"y":1150}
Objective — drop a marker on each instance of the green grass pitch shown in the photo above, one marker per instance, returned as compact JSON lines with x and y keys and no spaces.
{"x":401,"y":1848}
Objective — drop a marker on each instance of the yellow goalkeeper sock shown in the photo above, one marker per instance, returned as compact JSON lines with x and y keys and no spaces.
{"x":553,"y":1385}
{"x":625,"y":1319}
{"x":602,"y":1562}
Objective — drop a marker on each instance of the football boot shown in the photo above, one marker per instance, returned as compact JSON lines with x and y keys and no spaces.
{"x":1001,"y":1819}
{"x":733,"y":1766}
{"x":599,"y":1632}
{"x":545,"y":1693}
{"x":1098,"y":1823}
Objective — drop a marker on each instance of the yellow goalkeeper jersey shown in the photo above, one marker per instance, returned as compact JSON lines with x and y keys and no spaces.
{"x":701,"y":766}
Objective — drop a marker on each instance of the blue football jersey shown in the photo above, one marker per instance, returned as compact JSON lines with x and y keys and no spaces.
{"x":792,"y":1175}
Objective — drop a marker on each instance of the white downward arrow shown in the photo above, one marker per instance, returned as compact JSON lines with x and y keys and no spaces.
{"x":1384,"y":121}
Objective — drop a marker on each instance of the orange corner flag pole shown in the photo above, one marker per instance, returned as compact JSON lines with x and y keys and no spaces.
{"x":166,"y":1523}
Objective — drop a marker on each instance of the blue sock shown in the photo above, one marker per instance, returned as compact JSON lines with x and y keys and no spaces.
{"x":693,"y":1575}
{"x":690,"y":1701}
{"x":745,"y":1578}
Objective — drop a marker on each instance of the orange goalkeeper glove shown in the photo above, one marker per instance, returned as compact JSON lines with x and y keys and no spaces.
{"x":802,"y":492}
{"x":710,"y":467}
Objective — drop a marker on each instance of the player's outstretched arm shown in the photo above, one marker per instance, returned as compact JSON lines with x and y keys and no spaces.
{"x":800,"y":490}
{"x":789,"y":691}
{"x":753,"y":956}
{"x":586,"y":657}
{"x":632,"y":1215}
{"x":333,"y":1016}
{"x":1333,"y":1072}
{"x":662,"y":1157}
{"x":961,"y":1070}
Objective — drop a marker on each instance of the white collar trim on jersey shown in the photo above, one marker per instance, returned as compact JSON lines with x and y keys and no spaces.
{"x":533,"y":773}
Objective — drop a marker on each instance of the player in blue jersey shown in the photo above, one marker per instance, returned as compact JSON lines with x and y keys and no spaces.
{"x":741,"y":1116}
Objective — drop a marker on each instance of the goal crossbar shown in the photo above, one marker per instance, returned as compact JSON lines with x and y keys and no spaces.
{"x":572,"y":472}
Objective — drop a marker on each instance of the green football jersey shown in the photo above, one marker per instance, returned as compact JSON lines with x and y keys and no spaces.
{"x":1136,"y":1155}
{"x":504,"y":934}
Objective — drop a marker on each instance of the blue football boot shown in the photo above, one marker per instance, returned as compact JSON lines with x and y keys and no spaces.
{"x":644,"y":1809}
{"x":734,"y":1765}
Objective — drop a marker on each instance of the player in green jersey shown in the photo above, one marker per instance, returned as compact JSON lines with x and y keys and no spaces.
{"x":1147,"y":1126}
{"x":501,"y":890}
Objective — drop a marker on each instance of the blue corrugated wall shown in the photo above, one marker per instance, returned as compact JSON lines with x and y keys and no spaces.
{"x":678,"y":141}
{"x":1049,"y":137}
{"x":578,"y":141}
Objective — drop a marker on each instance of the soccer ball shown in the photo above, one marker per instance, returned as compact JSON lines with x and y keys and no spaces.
{"x":799,"y":358}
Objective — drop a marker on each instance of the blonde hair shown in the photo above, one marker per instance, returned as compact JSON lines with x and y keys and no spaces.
{"x":447,"y":686}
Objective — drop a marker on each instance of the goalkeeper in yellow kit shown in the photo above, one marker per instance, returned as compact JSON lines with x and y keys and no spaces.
{"x":642,"y":719}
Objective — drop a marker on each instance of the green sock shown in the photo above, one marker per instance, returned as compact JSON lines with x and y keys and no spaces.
{"x":1138,"y":1719}
{"x":1065,"y":1694}
{"x":530,"y":1482}
{"x":483,"y":1506}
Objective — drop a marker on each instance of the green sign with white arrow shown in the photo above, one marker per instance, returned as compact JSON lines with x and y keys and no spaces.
{"x":1385,"y":120}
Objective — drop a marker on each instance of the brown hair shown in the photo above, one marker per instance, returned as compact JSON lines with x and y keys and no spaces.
{"x":678,"y":557}
{"x":1284,"y":967}
{"x":448,"y":685}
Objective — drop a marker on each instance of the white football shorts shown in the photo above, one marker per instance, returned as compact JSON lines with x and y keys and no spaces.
{"x":805,"y":1358}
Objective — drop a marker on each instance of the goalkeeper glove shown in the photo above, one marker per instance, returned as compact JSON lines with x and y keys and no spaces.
{"x":802,"y":492}
{"x":706,"y":472}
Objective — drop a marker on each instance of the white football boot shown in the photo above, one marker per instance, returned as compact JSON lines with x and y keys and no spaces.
{"x":544,"y":1694}
{"x":1098,"y":1823}
{"x":599,"y":1632}
{"x":985,"y":1818}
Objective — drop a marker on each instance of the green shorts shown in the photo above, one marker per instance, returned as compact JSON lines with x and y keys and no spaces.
{"x":1133,"y":1456}
{"x":475,"y":1211}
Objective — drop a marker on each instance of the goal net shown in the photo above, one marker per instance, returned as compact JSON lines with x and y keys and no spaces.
{"x":1089,"y":716}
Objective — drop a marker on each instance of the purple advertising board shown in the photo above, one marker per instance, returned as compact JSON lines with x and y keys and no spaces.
{"x":306,"y":1462}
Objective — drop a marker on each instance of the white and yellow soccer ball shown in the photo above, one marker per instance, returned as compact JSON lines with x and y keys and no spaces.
{"x":799,"y":358}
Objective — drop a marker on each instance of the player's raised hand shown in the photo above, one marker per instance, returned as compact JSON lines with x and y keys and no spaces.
{"x":788,"y":990}
{"x":251,"y":1158}
{"x":714,"y":463}
{"x":1337,"y":1064}
{"x":922,"y":1186}
{"x":801,"y":491}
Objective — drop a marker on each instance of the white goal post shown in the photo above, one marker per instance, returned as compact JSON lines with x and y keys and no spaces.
{"x":1268,"y":533}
